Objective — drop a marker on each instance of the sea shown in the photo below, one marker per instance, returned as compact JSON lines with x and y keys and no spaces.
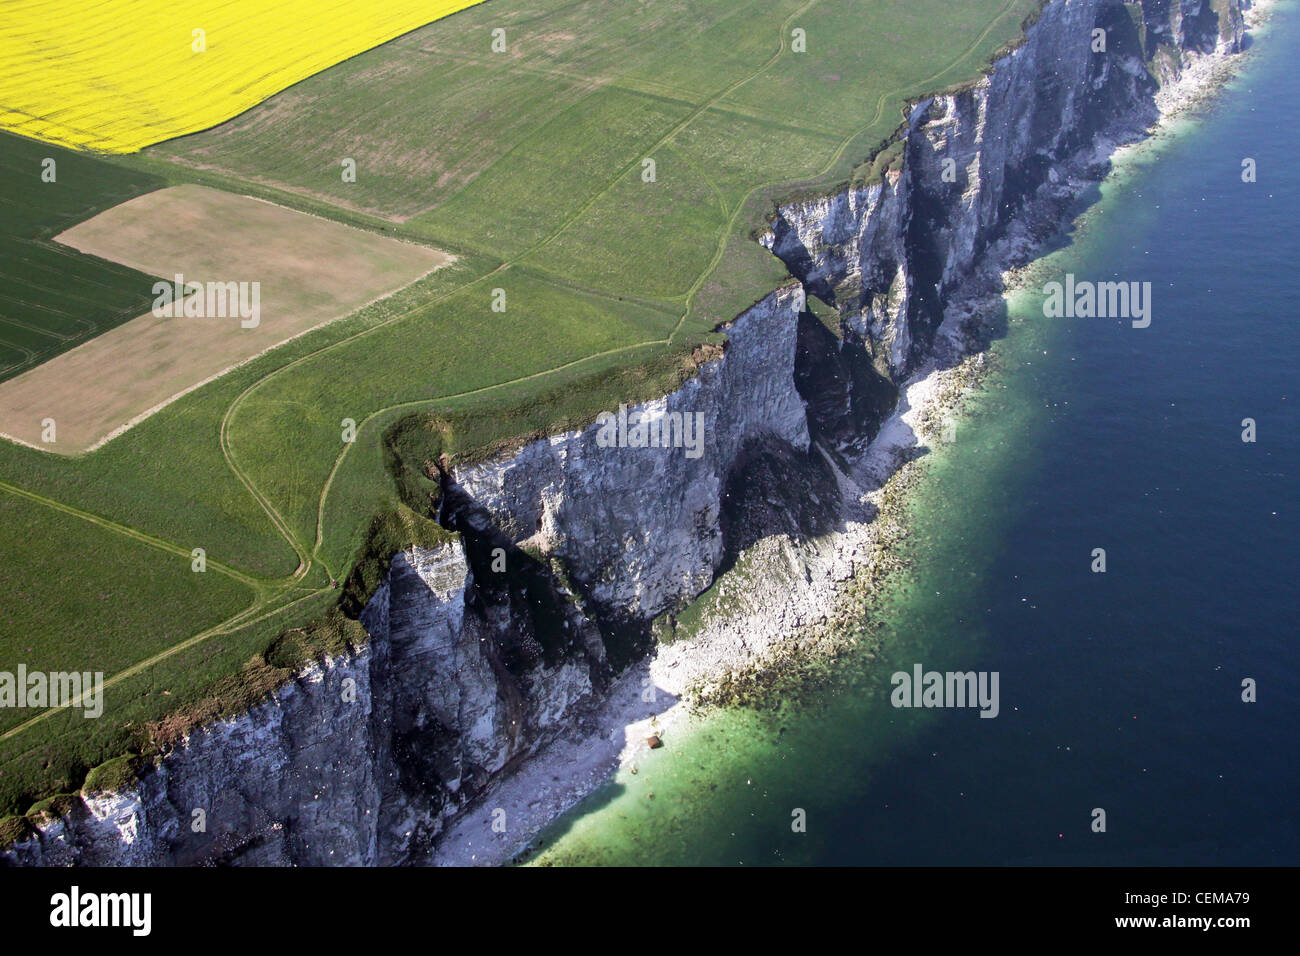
{"x":1147,"y":713}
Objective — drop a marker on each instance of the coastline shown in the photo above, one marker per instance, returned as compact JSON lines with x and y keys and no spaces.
{"x":485,"y":698}
{"x":748,"y":641}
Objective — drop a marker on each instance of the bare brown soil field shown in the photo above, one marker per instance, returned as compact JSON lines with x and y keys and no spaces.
{"x":308,"y":272}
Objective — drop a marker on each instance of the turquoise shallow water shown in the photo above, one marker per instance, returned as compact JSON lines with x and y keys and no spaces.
{"x":1118,"y":691}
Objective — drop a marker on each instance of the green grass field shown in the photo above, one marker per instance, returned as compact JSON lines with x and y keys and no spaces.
{"x":53,"y":297}
{"x":529,"y":166}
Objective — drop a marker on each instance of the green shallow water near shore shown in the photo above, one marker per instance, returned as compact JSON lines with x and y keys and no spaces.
{"x":1119,"y":690}
{"x":725,"y":787}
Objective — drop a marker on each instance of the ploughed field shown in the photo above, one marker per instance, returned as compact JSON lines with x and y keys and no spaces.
{"x":576,"y":187}
{"x":244,"y":276}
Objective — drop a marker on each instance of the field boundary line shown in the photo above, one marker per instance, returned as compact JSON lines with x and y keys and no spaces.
{"x":158,"y":543}
{"x":224,"y":627}
{"x":673,"y":131}
{"x":836,"y":156}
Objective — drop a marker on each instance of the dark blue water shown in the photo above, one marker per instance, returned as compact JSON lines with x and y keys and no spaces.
{"x":1120,"y":691}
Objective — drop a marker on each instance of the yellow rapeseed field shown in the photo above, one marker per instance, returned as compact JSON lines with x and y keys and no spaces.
{"x":116,"y":76}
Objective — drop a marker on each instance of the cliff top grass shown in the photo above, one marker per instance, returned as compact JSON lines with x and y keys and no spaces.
{"x":600,"y":179}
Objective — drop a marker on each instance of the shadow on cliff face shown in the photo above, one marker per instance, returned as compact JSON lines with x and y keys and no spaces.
{"x":774,"y":488}
{"x":534,"y":618}
{"x":840,"y":379}
{"x":545,"y":790}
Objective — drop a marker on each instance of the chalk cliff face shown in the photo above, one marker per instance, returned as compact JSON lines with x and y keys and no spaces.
{"x":356,"y":762}
{"x":640,"y":530}
{"x":1191,"y":25}
{"x":569,"y":552}
{"x":890,"y":256}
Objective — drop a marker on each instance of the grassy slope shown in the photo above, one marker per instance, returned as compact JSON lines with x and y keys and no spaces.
{"x":528,"y":165}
